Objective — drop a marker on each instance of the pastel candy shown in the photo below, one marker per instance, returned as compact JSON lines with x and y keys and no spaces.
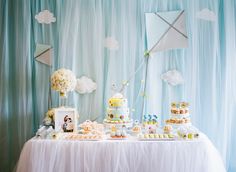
{"x":165,"y":135}
{"x":190,"y":136}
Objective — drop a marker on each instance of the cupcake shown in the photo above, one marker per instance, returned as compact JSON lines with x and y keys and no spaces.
{"x":167,"y":129}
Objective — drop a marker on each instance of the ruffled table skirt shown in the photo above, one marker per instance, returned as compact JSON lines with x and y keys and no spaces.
{"x":120,"y":156}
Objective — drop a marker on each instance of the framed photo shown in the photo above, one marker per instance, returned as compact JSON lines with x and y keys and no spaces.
{"x":65,"y":120}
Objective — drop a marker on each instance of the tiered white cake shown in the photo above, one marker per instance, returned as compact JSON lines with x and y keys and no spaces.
{"x":118,"y":111}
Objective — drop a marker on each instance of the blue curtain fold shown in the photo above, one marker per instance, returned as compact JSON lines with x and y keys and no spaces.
{"x":77,"y":38}
{"x":16,"y":119}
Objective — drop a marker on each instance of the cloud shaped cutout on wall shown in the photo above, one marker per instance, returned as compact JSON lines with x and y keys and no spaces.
{"x":85,"y":85}
{"x":45,"y":17}
{"x":206,"y":14}
{"x":172,"y":77}
{"x":111,"y":43}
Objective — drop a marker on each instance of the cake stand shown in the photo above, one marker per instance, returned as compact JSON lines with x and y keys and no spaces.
{"x":127,"y":124}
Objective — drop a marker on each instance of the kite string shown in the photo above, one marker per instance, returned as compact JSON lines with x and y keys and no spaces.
{"x":124,"y":84}
{"x":145,"y":82}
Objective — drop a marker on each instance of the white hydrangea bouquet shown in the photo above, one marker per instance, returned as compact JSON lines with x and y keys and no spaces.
{"x":63,"y":80}
{"x":49,"y":118}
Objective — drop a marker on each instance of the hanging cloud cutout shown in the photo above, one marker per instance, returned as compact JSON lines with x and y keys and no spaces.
{"x":206,"y":14}
{"x":111,"y":43}
{"x":173,"y":77}
{"x":45,"y":17}
{"x":85,"y":85}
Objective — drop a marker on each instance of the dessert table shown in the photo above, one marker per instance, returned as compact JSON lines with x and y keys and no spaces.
{"x":197,"y":155}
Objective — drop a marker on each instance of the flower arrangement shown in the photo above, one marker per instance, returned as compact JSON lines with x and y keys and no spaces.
{"x":63,"y":80}
{"x":49,"y":118}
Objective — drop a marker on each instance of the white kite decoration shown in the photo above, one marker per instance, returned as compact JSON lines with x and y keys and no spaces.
{"x":45,"y":17}
{"x":165,"y":31}
{"x":111,"y":43}
{"x":206,"y":14}
{"x":85,"y":85}
{"x":173,"y":77}
{"x":43,"y":54}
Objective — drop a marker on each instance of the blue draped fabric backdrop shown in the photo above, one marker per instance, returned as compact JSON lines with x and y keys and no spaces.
{"x":77,"y":37}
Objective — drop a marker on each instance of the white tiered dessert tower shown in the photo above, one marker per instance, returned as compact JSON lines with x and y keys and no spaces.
{"x":179,"y":115}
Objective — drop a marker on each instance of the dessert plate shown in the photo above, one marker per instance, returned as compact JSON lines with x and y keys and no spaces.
{"x":116,"y":138}
{"x":156,"y":139}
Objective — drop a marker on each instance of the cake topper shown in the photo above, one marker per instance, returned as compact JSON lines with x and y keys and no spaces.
{"x":118,"y":95}
{"x":119,"y":89}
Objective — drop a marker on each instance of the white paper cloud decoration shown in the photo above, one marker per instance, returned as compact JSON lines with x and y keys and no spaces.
{"x":206,"y":14}
{"x":45,"y":17}
{"x":85,"y":85}
{"x":172,"y":77}
{"x":111,"y":43}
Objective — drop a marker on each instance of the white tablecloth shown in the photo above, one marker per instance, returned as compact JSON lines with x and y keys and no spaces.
{"x":120,"y":156}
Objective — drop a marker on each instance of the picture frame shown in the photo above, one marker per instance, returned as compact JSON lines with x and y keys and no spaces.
{"x":66,"y":120}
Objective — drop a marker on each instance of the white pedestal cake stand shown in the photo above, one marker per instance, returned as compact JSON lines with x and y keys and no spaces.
{"x":127,"y":124}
